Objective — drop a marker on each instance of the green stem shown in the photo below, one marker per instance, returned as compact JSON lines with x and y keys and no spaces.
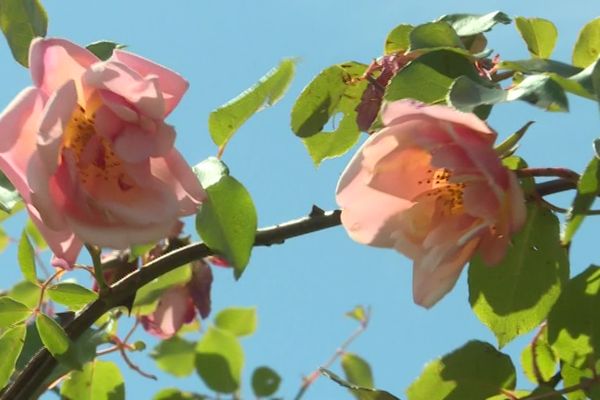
{"x":98,"y":268}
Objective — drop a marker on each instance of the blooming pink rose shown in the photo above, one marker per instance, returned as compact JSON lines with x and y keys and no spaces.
{"x":430,"y":185}
{"x":88,"y":149}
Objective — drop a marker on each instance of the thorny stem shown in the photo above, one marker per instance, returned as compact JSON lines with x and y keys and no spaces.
{"x":30,"y":380}
{"x":310,"y":379}
{"x":98,"y":269}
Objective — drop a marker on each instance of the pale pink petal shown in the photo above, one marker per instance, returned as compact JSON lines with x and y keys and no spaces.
{"x":53,"y":62}
{"x":55,"y":118}
{"x":133,"y":145}
{"x":116,"y":77}
{"x":107,"y":123}
{"x":399,"y":110}
{"x":63,"y":243}
{"x":119,"y":106}
{"x":18,"y":125}
{"x":172,"y":85}
{"x":481,"y":201}
{"x":430,"y":286}
{"x":173,"y":170}
{"x":172,"y":312}
{"x":45,"y":196}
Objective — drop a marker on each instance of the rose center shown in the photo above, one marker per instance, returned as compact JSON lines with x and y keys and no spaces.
{"x":96,"y":162}
{"x":449,"y":196}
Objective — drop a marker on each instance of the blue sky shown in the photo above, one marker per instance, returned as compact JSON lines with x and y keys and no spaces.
{"x":303,"y":288}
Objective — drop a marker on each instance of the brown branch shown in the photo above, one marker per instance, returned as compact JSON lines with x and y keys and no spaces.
{"x":30,"y":381}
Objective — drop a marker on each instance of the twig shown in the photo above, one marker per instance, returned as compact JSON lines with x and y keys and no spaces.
{"x":29,"y":381}
{"x":564,"y":173}
{"x":310,"y":379}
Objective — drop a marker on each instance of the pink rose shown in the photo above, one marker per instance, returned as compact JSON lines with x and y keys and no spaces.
{"x":430,"y":185}
{"x":88,"y":149}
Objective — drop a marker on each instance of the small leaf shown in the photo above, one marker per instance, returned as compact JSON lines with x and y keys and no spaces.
{"x":541,"y":91}
{"x":537,"y":65}
{"x":11,"y":344}
{"x":239,"y":321}
{"x":4,"y":240}
{"x":357,"y":370}
{"x":99,"y":380}
{"x":466,"y":95}
{"x":175,"y":356}
{"x":333,"y":94}
{"x":539,"y":34}
{"x":398,"y":40}
{"x":265,"y":381}
{"x":573,"y":329}
{"x":429,"y":77}
{"x":21,"y":21}
{"x":227,"y":222}
{"x":57,"y":342}
{"x":26,"y":257}
{"x":103,"y":49}
{"x":575,"y":376}
{"x":27,"y":293}
{"x":434,"y":35}
{"x":516,"y":295}
{"x":219,"y":360}
{"x":71,"y":294}
{"x":12,"y":312}
{"x":176,"y":394}
{"x":35,"y":235}
{"x":538,"y":360}
{"x":361,"y":393}
{"x":510,"y":144}
{"x":210,"y":171}
{"x":475,"y":371}
{"x":358,"y":313}
{"x":587,"y":47}
{"x":227,"y":119}
{"x":588,"y":188}
{"x":473,"y":24}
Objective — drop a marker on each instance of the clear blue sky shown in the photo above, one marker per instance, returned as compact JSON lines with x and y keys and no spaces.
{"x":303,"y":288}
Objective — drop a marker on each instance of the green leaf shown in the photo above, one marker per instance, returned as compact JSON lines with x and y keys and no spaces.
{"x":12,"y":312}
{"x":227,"y":119}
{"x":35,"y":235}
{"x":398,"y":40}
{"x":357,"y":370}
{"x":466,"y":95}
{"x":219,"y":360}
{"x":587,"y":47}
{"x":210,"y":171}
{"x":538,"y":359}
{"x":71,"y":294}
{"x":574,"y":376}
{"x":515,"y":296}
{"x":429,"y":77}
{"x":537,"y":65}
{"x":475,"y":371}
{"x":541,"y":91}
{"x":4,"y":240}
{"x":240,"y":321}
{"x":265,"y":381}
{"x":573,"y":328}
{"x":148,"y":294}
{"x":588,"y":188}
{"x":331,"y":93}
{"x":511,"y":143}
{"x":361,"y":393}
{"x":358,"y":313}
{"x":473,"y":24}
{"x":9,"y":197}
{"x":176,"y":394}
{"x":11,"y":344}
{"x":227,"y":222}
{"x":539,"y":34}
{"x":27,"y":293}
{"x":26,"y":257}
{"x":103,"y":49}
{"x":57,"y":342}
{"x":99,"y":380}
{"x":21,"y":21}
{"x":175,"y":356}
{"x":433,"y":35}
